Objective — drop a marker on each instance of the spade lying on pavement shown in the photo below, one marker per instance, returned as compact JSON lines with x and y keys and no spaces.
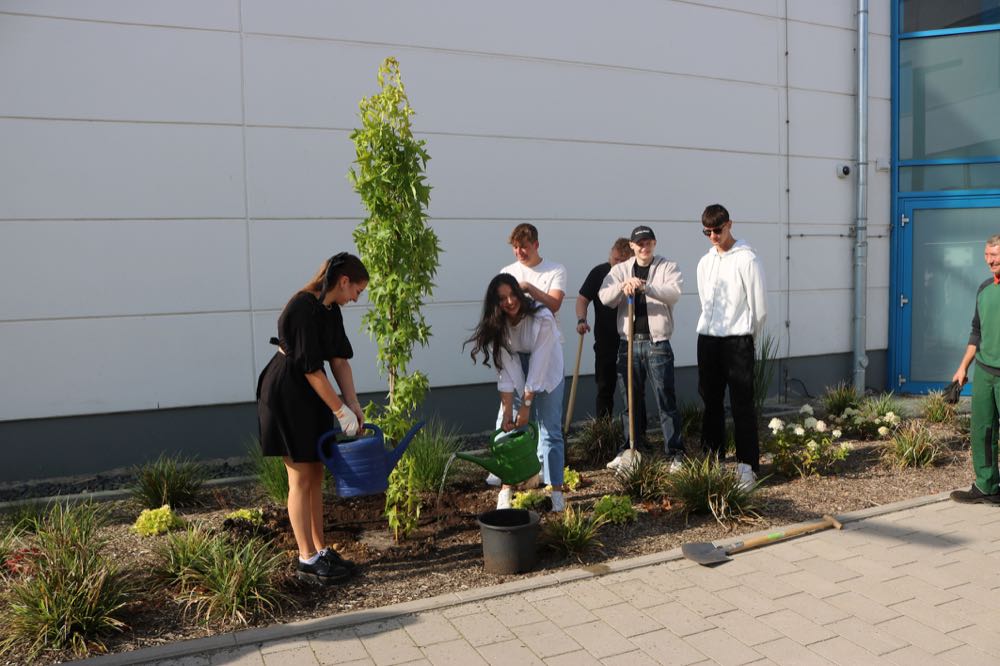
{"x":708,"y":554}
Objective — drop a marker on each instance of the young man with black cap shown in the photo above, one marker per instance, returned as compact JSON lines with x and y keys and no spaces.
{"x":655,"y":286}
{"x":733,"y":310}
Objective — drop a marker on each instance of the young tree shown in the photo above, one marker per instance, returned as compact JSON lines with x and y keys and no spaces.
{"x":395,"y":243}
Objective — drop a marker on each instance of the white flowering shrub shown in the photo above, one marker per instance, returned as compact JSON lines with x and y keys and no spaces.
{"x":867,"y":424}
{"x":805,"y":448}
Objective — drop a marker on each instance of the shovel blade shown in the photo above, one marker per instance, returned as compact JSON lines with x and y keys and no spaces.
{"x":705,"y":554}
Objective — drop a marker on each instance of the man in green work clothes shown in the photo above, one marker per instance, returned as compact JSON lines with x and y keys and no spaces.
{"x":984,"y":347}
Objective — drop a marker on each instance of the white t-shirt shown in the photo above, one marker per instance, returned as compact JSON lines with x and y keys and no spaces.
{"x":546,"y":275}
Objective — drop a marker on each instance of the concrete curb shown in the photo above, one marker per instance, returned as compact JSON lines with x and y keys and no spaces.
{"x":259,"y":635}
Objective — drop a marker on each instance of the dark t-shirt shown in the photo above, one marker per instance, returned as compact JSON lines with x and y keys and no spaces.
{"x":641,"y":315}
{"x":605,"y":318}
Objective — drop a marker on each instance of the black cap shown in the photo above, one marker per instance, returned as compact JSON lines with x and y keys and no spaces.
{"x":641,"y":233}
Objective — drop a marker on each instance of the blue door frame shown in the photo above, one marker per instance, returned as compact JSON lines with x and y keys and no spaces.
{"x":901,"y":283}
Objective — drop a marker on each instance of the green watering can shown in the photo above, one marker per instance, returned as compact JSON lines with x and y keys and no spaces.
{"x":513,"y":455}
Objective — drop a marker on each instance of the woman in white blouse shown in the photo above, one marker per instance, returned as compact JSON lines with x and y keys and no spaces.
{"x":523,"y":339}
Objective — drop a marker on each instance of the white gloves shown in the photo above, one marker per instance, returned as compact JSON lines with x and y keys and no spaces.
{"x":348,"y":420}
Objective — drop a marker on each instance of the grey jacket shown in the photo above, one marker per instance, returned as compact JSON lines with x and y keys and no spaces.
{"x":663,"y":289}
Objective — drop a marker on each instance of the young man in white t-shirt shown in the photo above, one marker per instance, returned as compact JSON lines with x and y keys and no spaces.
{"x":544,"y":281}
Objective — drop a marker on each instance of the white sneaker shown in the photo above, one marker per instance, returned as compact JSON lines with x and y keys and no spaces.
{"x":615,"y":463}
{"x":677,"y":463}
{"x":747,"y":478}
{"x":503,"y":499}
{"x":558,"y":501}
{"x":493,"y":480}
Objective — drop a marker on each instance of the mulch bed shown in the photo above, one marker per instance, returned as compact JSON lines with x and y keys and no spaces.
{"x":445,"y":554}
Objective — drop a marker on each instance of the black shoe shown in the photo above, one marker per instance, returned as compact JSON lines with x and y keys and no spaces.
{"x":975,"y":496}
{"x":334,"y":558}
{"x":322,"y":571}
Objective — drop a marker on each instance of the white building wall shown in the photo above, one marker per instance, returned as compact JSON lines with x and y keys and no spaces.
{"x":172,"y":172}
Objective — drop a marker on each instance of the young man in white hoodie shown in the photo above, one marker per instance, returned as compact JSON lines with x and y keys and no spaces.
{"x":733,"y":309}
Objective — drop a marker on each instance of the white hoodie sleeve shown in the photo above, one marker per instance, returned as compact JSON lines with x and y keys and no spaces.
{"x":756,"y":295}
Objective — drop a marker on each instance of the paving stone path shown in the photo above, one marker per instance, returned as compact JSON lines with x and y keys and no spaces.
{"x":917,"y":585}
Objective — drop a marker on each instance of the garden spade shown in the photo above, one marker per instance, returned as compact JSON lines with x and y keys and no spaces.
{"x":572,"y":389}
{"x":630,"y":456}
{"x":708,"y":554}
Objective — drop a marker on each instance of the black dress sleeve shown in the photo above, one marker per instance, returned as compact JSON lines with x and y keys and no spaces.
{"x":337,"y":344}
{"x":300,"y":333}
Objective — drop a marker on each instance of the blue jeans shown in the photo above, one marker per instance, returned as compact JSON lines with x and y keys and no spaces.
{"x":654,"y":360}
{"x":547,"y":409}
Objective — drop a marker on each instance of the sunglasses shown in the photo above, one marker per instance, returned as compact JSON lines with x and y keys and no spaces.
{"x":714,"y":230}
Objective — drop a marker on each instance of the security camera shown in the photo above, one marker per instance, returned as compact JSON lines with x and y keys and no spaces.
{"x":843,"y":170}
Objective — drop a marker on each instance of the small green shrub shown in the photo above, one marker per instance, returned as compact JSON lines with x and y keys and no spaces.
{"x":805,"y":448}
{"x":75,"y":595}
{"x":912,"y":445}
{"x":180,"y":560}
{"x":839,"y":397}
{"x":571,"y":479}
{"x":152,"y":522}
{"x":870,"y":421}
{"x":703,"y":485}
{"x":270,"y":472}
{"x":574,"y":533}
{"x":763,"y":371}
{"x":692,"y":414}
{"x":532,"y":500}
{"x":615,"y":509}
{"x":429,"y":452}
{"x":10,"y":543}
{"x":598,"y":441}
{"x":881,"y":404}
{"x":169,"y":480}
{"x":645,"y":480}
{"x":238,"y":583}
{"x":26,"y":517}
{"x":936,"y":409}
{"x":402,"y":500}
{"x":252,"y":516}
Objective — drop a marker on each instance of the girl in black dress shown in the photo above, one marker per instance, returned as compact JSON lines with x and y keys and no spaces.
{"x":296,"y":403}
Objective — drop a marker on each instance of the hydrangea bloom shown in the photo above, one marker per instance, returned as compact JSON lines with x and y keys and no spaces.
{"x":820,"y":426}
{"x":883,"y":431}
{"x":799,"y":430}
{"x":806,"y":409}
{"x":775,"y":425}
{"x":810,"y":422}
{"x":836,"y":433}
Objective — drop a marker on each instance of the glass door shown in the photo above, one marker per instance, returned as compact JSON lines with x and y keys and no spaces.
{"x":941,"y":266}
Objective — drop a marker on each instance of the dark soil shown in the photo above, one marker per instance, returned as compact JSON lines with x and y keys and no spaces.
{"x":445,"y":554}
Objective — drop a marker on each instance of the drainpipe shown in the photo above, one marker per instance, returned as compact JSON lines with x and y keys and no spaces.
{"x":861,"y":222}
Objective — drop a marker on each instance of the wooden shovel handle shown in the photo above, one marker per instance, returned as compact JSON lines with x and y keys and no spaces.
{"x":631,"y":406}
{"x":572,"y":389}
{"x":815,"y":526}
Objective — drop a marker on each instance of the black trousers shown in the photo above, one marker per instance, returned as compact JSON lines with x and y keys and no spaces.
{"x":728,"y":363}
{"x":606,"y":377}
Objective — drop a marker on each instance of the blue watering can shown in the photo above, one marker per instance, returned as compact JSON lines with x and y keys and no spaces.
{"x":361,"y":466}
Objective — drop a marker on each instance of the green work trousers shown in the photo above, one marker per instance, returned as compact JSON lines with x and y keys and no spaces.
{"x":985,"y":401}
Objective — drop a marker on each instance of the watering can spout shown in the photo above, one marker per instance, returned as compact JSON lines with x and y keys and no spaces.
{"x":488,"y":463}
{"x":392,"y":457}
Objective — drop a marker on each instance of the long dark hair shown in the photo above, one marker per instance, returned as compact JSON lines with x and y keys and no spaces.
{"x":491,"y":331}
{"x":339,"y":264}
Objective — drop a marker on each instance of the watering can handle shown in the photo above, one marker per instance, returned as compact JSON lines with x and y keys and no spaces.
{"x":500,"y":435}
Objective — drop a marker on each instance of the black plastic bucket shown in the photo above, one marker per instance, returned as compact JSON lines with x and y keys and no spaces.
{"x":509,"y":540}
